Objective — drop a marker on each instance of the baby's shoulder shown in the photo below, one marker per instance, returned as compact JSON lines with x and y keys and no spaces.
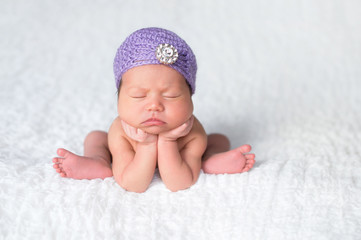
{"x":196,"y":141}
{"x":117,"y":139}
{"x":197,"y":133}
{"x":116,"y":126}
{"x":116,"y":131}
{"x":198,"y":128}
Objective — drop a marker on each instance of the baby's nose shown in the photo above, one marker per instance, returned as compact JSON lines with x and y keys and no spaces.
{"x":155,"y":106}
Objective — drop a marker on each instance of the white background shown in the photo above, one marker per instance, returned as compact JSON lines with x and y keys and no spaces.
{"x":283,"y":76}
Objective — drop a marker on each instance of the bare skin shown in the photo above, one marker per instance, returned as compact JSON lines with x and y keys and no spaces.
{"x":75,"y":166}
{"x":155,"y":128}
{"x":95,"y":163}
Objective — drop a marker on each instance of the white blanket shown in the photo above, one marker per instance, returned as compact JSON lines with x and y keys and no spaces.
{"x":283,"y":76}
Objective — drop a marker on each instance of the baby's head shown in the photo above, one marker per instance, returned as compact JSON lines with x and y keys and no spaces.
{"x":156,"y":70}
{"x":155,"y":46}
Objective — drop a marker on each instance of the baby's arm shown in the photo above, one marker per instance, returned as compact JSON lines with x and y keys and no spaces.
{"x":180,"y":169}
{"x":132,"y":170}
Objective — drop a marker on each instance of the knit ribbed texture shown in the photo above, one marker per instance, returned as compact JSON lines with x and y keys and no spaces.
{"x":139,"y":49}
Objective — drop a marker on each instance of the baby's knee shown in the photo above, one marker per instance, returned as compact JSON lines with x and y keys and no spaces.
{"x":217,"y":139}
{"x":96,"y":135}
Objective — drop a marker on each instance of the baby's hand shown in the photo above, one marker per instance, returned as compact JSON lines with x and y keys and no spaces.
{"x":138,"y":134}
{"x":178,"y":132}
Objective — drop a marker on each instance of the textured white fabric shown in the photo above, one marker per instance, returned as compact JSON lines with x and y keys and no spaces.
{"x":283,"y":76}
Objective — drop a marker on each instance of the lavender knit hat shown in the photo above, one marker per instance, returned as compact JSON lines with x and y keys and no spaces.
{"x":155,"y":46}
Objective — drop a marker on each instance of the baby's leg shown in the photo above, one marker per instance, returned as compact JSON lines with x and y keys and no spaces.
{"x":219,"y":159}
{"x":96,"y":162}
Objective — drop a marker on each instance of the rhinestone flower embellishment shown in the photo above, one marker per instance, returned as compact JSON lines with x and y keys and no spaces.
{"x":166,"y":53}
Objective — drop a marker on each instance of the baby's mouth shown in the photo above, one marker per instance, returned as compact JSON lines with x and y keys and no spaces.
{"x":153,"y":122}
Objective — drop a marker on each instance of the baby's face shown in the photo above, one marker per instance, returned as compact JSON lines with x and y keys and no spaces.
{"x":154,"y":98}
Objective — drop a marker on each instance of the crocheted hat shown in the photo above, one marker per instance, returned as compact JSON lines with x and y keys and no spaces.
{"x":155,"y":46}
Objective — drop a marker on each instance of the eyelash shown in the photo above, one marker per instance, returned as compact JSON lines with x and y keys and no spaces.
{"x":137,"y":97}
{"x":165,"y":96}
{"x":172,"y":97}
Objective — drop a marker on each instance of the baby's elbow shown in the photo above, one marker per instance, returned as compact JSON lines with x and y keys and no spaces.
{"x":130,"y":187}
{"x":179,"y":187}
{"x":136,"y":189}
{"x":176,"y":189}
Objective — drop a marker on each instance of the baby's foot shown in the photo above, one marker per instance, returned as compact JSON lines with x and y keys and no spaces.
{"x":73,"y":166}
{"x":234,"y":161}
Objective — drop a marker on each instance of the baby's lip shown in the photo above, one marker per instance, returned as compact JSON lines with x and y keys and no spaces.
{"x":153,"y":122}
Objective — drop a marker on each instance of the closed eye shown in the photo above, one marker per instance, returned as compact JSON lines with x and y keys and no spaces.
{"x":138,"y":96}
{"x":137,"y":93}
{"x":171,"y":96}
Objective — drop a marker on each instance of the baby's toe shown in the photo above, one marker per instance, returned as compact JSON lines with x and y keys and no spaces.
{"x":245,"y":148}
{"x":250,"y":156}
{"x":62,"y":152}
{"x":58,"y":160}
{"x":249,"y":164}
{"x":250,"y":161}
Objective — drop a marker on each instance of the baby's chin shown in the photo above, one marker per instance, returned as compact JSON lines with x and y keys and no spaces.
{"x":158,"y":129}
{"x":155,"y":130}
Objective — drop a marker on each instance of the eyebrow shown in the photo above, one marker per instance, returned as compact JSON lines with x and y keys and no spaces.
{"x":163,"y":88}
{"x":137,"y":89}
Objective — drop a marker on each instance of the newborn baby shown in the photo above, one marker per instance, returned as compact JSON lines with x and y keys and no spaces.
{"x":155,"y":74}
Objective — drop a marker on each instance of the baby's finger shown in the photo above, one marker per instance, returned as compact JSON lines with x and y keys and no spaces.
{"x":141,"y":135}
{"x":129,"y":130}
{"x":191,"y":120}
{"x":187,"y":126}
{"x":125,"y":126}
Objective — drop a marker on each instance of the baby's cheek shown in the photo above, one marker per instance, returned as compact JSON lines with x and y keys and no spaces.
{"x":187,"y":110}
{"x":127,"y":115}
{"x":180,"y":115}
